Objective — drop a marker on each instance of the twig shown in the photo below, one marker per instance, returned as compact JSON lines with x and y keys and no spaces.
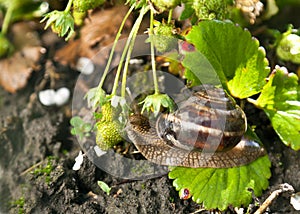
{"x":282,"y":188}
{"x":31,"y":168}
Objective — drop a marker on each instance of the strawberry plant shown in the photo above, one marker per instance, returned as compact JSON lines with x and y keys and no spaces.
{"x":215,"y":51}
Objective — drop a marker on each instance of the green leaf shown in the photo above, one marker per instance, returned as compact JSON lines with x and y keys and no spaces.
{"x":280,"y":99}
{"x":15,"y":3}
{"x":199,"y":70}
{"x":156,"y":101}
{"x":96,"y":97}
{"x":219,"y":188}
{"x":27,"y":10}
{"x":61,"y":23}
{"x":240,"y":64}
{"x":187,"y":12}
{"x":138,"y":4}
{"x":104,"y":187}
{"x":87,"y":127}
{"x":80,"y":128}
{"x":76,"y":121}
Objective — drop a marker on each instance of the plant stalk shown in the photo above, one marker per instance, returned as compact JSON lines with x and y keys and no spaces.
{"x":170,"y":16}
{"x":69,"y":6}
{"x":131,"y":42}
{"x":114,"y":46}
{"x":155,"y":81}
{"x":7,"y":19}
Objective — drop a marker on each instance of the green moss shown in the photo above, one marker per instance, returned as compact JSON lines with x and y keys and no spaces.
{"x":45,"y":170}
{"x":19,"y":204}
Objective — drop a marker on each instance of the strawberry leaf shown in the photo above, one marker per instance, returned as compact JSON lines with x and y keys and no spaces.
{"x":219,"y":188}
{"x":240,"y":64}
{"x":155,"y":102}
{"x":280,"y":99}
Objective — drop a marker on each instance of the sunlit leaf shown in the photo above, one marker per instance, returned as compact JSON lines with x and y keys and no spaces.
{"x":280,"y":99}
{"x":219,"y":188}
{"x":239,"y":64}
{"x":104,"y":187}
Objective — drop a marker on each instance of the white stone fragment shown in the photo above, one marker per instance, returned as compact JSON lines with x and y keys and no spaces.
{"x":295,"y":201}
{"x":85,"y":66}
{"x":62,"y":96}
{"x":47,"y":97}
{"x":78,"y":161}
{"x":136,"y":61}
{"x":99,"y":152}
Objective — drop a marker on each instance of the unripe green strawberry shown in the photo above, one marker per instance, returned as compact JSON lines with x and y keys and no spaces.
{"x":210,"y":9}
{"x":164,"y":37}
{"x":84,"y":5}
{"x":164,"y":29}
{"x":79,"y":17}
{"x":288,"y":48}
{"x":163,"y":5}
{"x":109,"y":113}
{"x":108,"y":134}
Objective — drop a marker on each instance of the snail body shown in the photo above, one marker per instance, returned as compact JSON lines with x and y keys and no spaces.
{"x":207,"y":130}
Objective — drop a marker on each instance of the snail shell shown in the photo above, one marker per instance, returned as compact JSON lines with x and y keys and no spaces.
{"x":207,"y":130}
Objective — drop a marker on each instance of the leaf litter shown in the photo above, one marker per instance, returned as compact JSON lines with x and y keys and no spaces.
{"x":16,"y":69}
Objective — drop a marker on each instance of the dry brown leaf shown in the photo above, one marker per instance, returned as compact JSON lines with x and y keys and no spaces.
{"x":99,"y":30}
{"x":25,"y":34}
{"x":15,"y":70}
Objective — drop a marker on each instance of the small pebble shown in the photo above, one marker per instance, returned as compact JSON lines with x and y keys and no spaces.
{"x":295,"y":201}
{"x":49,"y":97}
{"x":99,"y":152}
{"x":136,"y":61}
{"x":62,"y":96}
{"x":78,"y":161}
{"x":85,"y":66}
{"x":46,"y":97}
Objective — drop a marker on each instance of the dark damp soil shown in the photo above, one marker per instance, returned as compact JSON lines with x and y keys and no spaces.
{"x":34,"y":137}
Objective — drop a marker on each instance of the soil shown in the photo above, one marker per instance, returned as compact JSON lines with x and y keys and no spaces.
{"x":30,"y":133}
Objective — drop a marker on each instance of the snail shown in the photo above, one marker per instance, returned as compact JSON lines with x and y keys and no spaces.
{"x":207,"y":130}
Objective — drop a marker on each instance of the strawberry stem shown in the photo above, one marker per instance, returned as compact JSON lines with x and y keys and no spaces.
{"x":69,"y":5}
{"x":170,"y":16}
{"x":130,"y":43}
{"x":7,"y":19}
{"x":155,"y":81}
{"x":114,"y":46}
